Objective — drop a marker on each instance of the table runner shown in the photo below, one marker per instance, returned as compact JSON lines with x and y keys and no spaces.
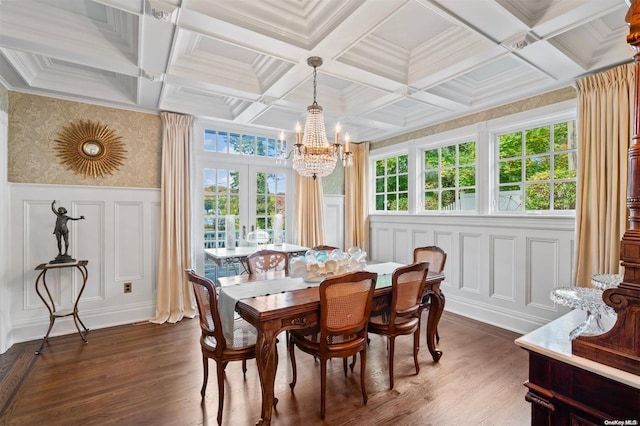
{"x":229,"y":295}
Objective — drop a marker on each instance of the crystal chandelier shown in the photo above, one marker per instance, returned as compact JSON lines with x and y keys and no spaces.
{"x":312,"y":154}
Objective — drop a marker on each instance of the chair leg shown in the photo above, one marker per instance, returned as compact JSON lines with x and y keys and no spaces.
{"x":416,"y":342}
{"x":205,"y":363}
{"x":220,"y":369}
{"x":292,"y":357}
{"x":363,"y":366}
{"x":437,"y":336}
{"x":244,"y":368}
{"x":323,"y":387}
{"x":392,"y":344}
{"x":344,"y":366}
{"x":353,"y":362}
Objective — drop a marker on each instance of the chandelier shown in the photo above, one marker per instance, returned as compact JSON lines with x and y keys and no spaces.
{"x":312,"y":154}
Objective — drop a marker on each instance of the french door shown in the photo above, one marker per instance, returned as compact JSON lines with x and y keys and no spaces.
{"x":251,"y":193}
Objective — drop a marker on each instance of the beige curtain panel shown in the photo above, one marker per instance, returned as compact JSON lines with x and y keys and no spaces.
{"x":356,"y":211}
{"x":605,"y":114}
{"x":175,"y":299}
{"x":309,"y":211}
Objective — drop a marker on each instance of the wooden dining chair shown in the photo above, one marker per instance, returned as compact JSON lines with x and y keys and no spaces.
{"x":212,"y":341}
{"x":268,"y":260}
{"x":345,"y":306}
{"x":407,"y":286}
{"x":328,"y":249}
{"x":437,"y":259}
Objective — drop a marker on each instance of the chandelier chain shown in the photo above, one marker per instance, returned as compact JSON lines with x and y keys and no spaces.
{"x":315,"y":84}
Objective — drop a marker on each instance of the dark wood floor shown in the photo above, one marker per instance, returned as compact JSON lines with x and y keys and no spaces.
{"x":151,"y":374}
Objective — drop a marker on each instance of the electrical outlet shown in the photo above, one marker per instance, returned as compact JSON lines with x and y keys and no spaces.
{"x":127,"y":287}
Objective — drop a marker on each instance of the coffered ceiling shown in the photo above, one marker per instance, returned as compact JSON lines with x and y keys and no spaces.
{"x":390,"y":66}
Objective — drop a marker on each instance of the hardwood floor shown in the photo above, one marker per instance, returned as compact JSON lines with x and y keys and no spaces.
{"x":151,"y":374}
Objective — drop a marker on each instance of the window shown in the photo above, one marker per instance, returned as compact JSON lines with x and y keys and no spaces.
{"x":236,"y":143}
{"x":449,"y":177}
{"x":537,"y":168}
{"x":221,"y":197}
{"x":271,"y":191}
{"x":392,"y":183}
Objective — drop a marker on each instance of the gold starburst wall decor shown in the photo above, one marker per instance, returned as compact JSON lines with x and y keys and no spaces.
{"x":90,"y":148}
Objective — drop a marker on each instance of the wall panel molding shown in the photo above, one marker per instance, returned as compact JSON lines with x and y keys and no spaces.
{"x":469,"y":266}
{"x":499,"y":270}
{"x":334,"y":220}
{"x":129,"y":242}
{"x":542,"y":271}
{"x":502,"y":263}
{"x":121,"y":225}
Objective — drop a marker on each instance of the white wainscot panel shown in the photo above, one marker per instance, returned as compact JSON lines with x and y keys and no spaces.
{"x":334,"y":221}
{"x":382,"y":250}
{"x":420,"y":238}
{"x":89,"y":240}
{"x":542,"y":271}
{"x":40,"y":246}
{"x":502,"y":276}
{"x":444,"y":240}
{"x":470,"y":255}
{"x":129,"y":242}
{"x":402,"y":249}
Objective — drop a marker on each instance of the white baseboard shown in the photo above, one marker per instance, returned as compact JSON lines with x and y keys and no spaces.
{"x":517,"y":322}
{"x":35,"y":329}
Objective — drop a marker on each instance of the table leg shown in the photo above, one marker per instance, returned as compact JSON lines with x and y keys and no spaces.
{"x":436,"y":300}
{"x":42,"y":277}
{"x":267,"y":361}
{"x":76,"y":317}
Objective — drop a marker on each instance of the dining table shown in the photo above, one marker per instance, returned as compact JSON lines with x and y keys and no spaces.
{"x":275,"y":302}
{"x":223,"y":256}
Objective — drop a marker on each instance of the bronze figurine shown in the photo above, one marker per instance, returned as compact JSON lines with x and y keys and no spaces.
{"x":62,"y":232}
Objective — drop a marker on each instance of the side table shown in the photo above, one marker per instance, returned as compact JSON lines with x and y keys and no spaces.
{"x":41,"y":281}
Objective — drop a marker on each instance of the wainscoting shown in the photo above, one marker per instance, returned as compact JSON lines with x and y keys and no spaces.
{"x":119,"y":238}
{"x":500,"y":270}
{"x":334,"y":220}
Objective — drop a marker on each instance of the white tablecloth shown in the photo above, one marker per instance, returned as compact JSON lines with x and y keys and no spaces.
{"x":229,"y":295}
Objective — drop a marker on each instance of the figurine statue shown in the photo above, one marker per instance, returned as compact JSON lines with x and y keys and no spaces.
{"x":62,"y":232}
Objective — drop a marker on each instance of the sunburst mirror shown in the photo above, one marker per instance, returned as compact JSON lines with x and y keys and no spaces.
{"x":90,"y":148}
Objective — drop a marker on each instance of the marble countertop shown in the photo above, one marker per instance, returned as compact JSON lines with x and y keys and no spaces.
{"x":552,"y":340}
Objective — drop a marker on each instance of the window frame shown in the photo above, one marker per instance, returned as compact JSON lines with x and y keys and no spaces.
{"x":484,"y":133}
{"x":527,"y":120}
{"x":202,"y":159}
{"x":384,"y":154}
{"x":444,"y":143}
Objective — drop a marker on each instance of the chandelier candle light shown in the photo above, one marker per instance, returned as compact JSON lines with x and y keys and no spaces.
{"x":312,"y":154}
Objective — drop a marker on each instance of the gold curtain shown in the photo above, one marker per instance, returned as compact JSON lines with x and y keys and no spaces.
{"x":356,"y":212}
{"x":605,"y":114}
{"x":309,"y":211}
{"x":175,"y":298}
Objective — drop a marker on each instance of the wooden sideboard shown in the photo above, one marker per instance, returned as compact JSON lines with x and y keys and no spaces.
{"x":564,"y":389}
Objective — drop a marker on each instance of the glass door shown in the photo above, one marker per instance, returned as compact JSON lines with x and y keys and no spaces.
{"x":238,"y":199}
{"x":224,"y":195}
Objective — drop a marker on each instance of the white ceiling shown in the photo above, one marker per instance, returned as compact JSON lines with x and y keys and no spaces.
{"x":390,"y":66}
